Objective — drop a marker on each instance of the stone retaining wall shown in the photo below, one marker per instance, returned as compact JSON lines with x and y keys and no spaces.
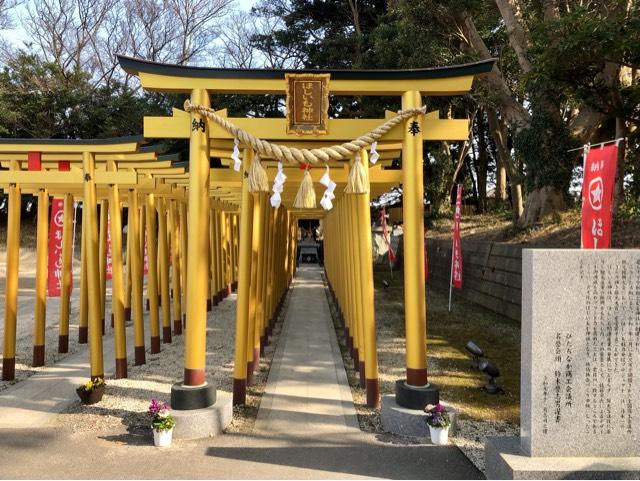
{"x":492,"y":273}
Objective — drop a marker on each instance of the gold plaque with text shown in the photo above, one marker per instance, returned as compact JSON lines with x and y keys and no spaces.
{"x":307,"y":103}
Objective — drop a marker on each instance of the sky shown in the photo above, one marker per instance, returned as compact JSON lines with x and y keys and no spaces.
{"x":17,"y":35}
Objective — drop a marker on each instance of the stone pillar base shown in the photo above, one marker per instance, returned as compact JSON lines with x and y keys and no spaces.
{"x":205,"y":422}
{"x":409,"y":422}
{"x":505,"y":460}
{"x":416,"y":397}
{"x":189,"y":398}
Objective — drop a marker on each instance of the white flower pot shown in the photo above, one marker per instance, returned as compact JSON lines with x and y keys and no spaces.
{"x":162,"y":439}
{"x":439,"y":436}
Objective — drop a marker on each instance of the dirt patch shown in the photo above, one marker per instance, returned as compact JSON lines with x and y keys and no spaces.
{"x":561,"y":230}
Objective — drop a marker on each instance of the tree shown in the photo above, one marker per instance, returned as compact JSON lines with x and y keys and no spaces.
{"x":48,"y":103}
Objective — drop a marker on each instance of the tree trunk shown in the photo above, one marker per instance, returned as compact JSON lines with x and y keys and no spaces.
{"x":499,"y":133}
{"x":501,"y":181}
{"x":481,"y":165}
{"x":541,"y":202}
{"x":618,"y":191}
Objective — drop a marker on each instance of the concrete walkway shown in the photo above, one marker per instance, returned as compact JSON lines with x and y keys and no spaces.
{"x":306,"y":427}
{"x":36,"y":401}
{"x":307,"y":391}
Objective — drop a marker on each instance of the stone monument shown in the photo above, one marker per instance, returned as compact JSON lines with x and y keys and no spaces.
{"x":580,"y":377}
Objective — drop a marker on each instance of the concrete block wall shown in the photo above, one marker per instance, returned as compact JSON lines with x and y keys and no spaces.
{"x":492,"y":273}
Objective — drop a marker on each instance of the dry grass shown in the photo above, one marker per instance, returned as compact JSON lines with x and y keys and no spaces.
{"x":560,"y":230}
{"x":448,"y":363}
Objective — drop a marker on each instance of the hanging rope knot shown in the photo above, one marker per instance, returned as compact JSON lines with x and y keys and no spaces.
{"x":357,"y":183}
{"x":306,"y":196}
{"x":257,"y":176}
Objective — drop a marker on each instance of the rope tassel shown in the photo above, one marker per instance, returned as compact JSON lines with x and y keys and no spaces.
{"x":306,"y":196}
{"x":258,"y":180}
{"x":357,"y":181}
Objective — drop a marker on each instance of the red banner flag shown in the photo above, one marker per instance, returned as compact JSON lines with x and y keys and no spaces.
{"x":383,"y":216}
{"x":54,"y":274}
{"x":597,"y":196}
{"x":109,"y":263}
{"x":456,"y":250}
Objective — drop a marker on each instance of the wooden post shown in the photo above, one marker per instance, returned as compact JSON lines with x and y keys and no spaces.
{"x":11,"y":279}
{"x":127,"y":279}
{"x":152,"y":275}
{"x":164,"y":270}
{"x":413,"y":216}
{"x":83,"y":323}
{"x":93,"y":266}
{"x":253,"y":355}
{"x":104,"y":220}
{"x":198,"y":241}
{"x":244,"y":279}
{"x":41,"y":278}
{"x":117,"y":289}
{"x":67,"y":273}
{"x":184,"y":257}
{"x":176,"y":266}
{"x":137,"y":273}
{"x":363,"y":215}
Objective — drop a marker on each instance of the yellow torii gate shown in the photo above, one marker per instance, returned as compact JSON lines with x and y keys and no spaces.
{"x":211,"y":133}
{"x":92,"y":170}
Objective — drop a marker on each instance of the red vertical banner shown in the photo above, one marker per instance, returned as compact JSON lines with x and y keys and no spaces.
{"x":109,"y":263}
{"x":387,"y":240}
{"x":456,"y":251}
{"x":54,"y":274}
{"x":597,"y":196}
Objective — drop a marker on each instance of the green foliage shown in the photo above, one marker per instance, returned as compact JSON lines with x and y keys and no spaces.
{"x":585,"y":39}
{"x":543,"y":149}
{"x":323,"y":34}
{"x":39,"y":100}
{"x":438,"y":170}
{"x":161,"y":423}
{"x":629,"y":209}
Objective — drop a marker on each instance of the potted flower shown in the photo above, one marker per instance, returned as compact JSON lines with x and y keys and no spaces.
{"x":162,"y":423}
{"x":439,"y":422}
{"x":91,"y":392}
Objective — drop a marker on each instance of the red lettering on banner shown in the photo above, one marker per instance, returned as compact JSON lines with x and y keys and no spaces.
{"x":456,"y":251}
{"x":597,"y":196}
{"x":54,"y":274}
{"x":146,"y":258}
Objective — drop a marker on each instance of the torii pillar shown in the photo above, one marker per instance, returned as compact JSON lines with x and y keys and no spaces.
{"x":414,"y":392}
{"x":194,"y":392}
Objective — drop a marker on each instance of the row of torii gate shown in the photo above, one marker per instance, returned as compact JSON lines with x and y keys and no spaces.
{"x":209,"y":232}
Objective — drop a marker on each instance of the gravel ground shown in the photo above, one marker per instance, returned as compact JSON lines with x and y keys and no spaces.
{"x":24,"y":334}
{"x":470,"y":435}
{"x":126,"y":401}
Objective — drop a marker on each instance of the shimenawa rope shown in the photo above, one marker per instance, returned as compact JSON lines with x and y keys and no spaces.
{"x":313,"y":156}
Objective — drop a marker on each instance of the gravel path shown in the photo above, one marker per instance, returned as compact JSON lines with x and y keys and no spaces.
{"x":126,"y":400}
